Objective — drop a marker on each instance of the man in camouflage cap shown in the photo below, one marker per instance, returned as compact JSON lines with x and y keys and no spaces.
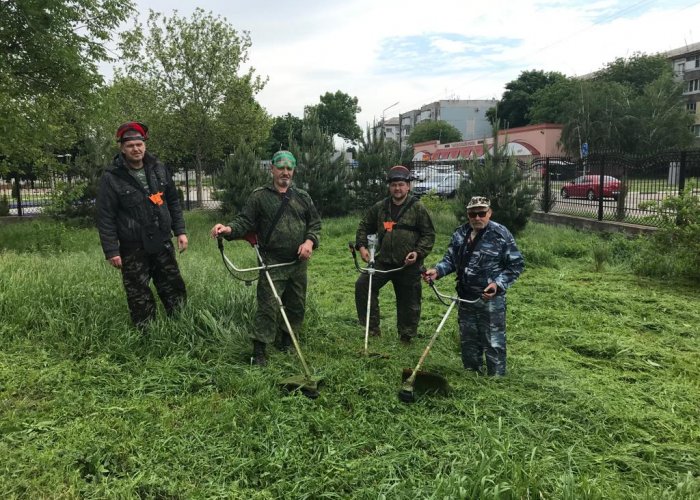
{"x":138,"y":211}
{"x":405,"y":235}
{"x":487,"y":261}
{"x":288,"y":228}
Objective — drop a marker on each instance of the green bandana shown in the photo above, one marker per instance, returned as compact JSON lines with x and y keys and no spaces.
{"x":284,"y":159}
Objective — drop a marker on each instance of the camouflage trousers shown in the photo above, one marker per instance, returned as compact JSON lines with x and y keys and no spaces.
{"x":408,"y":291}
{"x":138,"y":269}
{"x":290,"y":283}
{"x":482,"y":330}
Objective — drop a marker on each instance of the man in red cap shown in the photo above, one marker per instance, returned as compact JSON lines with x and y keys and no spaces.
{"x":405,"y":236}
{"x":138,"y":211}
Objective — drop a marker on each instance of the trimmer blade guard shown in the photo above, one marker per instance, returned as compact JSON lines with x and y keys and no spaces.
{"x":427,"y":382}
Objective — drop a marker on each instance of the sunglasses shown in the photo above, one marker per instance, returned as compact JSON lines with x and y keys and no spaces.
{"x":474,"y":215}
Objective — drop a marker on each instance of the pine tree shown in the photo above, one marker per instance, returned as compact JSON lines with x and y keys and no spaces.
{"x":241,"y":175}
{"x":326,"y":180}
{"x":500,"y":180}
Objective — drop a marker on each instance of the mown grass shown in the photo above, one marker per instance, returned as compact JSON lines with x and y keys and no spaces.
{"x":601,"y":399}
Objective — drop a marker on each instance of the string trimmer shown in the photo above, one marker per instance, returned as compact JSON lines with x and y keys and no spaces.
{"x":370,"y":270}
{"x":426,"y":381}
{"x":305,"y":383}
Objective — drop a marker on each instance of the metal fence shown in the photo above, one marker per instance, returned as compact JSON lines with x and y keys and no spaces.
{"x":605,"y":186}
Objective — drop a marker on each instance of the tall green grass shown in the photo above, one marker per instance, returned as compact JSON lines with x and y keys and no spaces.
{"x":601,"y":399}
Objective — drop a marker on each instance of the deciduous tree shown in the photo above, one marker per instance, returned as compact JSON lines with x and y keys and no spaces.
{"x":196,"y":66}
{"x":434,"y":130}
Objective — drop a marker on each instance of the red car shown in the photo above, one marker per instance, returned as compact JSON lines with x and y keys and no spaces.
{"x":588,"y":186}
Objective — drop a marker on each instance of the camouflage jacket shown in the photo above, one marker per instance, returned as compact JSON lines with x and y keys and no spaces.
{"x":495,"y":258}
{"x":411,"y":231}
{"x":299,"y":221}
{"x":129,"y":216}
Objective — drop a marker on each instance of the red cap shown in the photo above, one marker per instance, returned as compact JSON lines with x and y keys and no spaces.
{"x":139,"y":127}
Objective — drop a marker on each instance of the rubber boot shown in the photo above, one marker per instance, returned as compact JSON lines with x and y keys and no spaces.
{"x":259,"y":358}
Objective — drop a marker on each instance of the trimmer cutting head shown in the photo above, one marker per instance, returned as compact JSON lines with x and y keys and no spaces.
{"x":307,"y":386}
{"x":424,"y":382}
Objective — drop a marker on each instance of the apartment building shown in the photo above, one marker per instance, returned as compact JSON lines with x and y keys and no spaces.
{"x":686,"y":68}
{"x":467,"y":116}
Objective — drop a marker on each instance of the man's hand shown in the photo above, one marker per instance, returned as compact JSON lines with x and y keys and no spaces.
{"x":364,"y":253}
{"x":115,"y":261}
{"x":411,"y":258}
{"x":490,"y":291}
{"x":430,"y":275}
{"x":182,"y":242}
{"x":305,"y":249}
{"x":220,"y":230}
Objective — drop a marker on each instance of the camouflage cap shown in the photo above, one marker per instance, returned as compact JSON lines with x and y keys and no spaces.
{"x":479,"y":202}
{"x":284,"y":159}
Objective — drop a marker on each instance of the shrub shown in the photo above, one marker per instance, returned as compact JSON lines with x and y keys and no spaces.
{"x":74,"y":201}
{"x":674,"y":250}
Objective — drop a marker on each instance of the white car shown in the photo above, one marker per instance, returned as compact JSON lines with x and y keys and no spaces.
{"x":445,"y":186}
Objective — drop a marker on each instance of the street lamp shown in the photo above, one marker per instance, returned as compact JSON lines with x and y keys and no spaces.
{"x":388,"y":107}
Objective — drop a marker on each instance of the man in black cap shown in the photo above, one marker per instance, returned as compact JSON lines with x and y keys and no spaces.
{"x":138,"y":211}
{"x":405,"y":235}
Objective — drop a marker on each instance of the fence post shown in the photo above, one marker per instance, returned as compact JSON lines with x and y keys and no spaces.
{"x":18,"y":190}
{"x":601,"y":184}
{"x":187,"y":188}
{"x":547,"y":187}
{"x":681,"y":173}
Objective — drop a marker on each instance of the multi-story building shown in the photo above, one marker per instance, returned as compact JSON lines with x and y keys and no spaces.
{"x":467,"y":116}
{"x":686,"y":68}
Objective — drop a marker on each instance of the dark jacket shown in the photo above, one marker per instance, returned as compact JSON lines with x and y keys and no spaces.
{"x":298,"y":222}
{"x":413,"y":231}
{"x":127,"y":219}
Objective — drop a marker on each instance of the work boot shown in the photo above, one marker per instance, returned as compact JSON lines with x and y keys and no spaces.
{"x":405,"y":339}
{"x":286,"y":344}
{"x":375,"y":331}
{"x":258,"y":357}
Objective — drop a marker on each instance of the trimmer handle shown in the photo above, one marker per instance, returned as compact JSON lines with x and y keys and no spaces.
{"x":423,"y":272}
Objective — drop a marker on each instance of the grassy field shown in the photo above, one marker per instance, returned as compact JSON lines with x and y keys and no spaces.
{"x":601,"y":398}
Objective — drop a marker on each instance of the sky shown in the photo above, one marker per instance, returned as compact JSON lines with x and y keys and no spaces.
{"x":395,"y":56}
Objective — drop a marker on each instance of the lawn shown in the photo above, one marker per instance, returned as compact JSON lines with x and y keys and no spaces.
{"x":600,"y":401}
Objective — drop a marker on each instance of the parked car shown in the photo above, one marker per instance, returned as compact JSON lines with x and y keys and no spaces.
{"x":444,"y":186}
{"x":588,"y":186}
{"x":560,"y":169}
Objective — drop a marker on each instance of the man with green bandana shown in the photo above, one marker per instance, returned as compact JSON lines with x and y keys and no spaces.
{"x":288,"y":227}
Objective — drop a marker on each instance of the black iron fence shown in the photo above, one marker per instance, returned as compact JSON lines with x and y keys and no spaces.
{"x":606,"y":186}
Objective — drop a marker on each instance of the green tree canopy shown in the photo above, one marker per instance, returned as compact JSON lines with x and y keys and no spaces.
{"x":514,"y":107}
{"x":434,"y":130}
{"x":206,"y":105}
{"x":337,"y":114}
{"x":636,"y":71}
{"x":285,"y":130}
{"x":49,"y":50}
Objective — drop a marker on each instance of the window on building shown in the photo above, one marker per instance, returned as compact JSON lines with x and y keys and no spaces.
{"x":697,"y":61}
{"x":693,"y":85}
{"x":696,"y":130}
{"x":691,"y":107}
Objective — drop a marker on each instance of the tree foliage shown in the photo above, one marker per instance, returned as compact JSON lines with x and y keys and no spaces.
{"x":513,"y":110}
{"x":285,"y":131}
{"x":49,"y":51}
{"x":206,"y":105}
{"x":241,"y":174}
{"x":636,"y":71}
{"x":375,"y":157}
{"x":325,"y":179}
{"x":337,"y":115}
{"x":501,"y":180}
{"x":434,"y":130}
